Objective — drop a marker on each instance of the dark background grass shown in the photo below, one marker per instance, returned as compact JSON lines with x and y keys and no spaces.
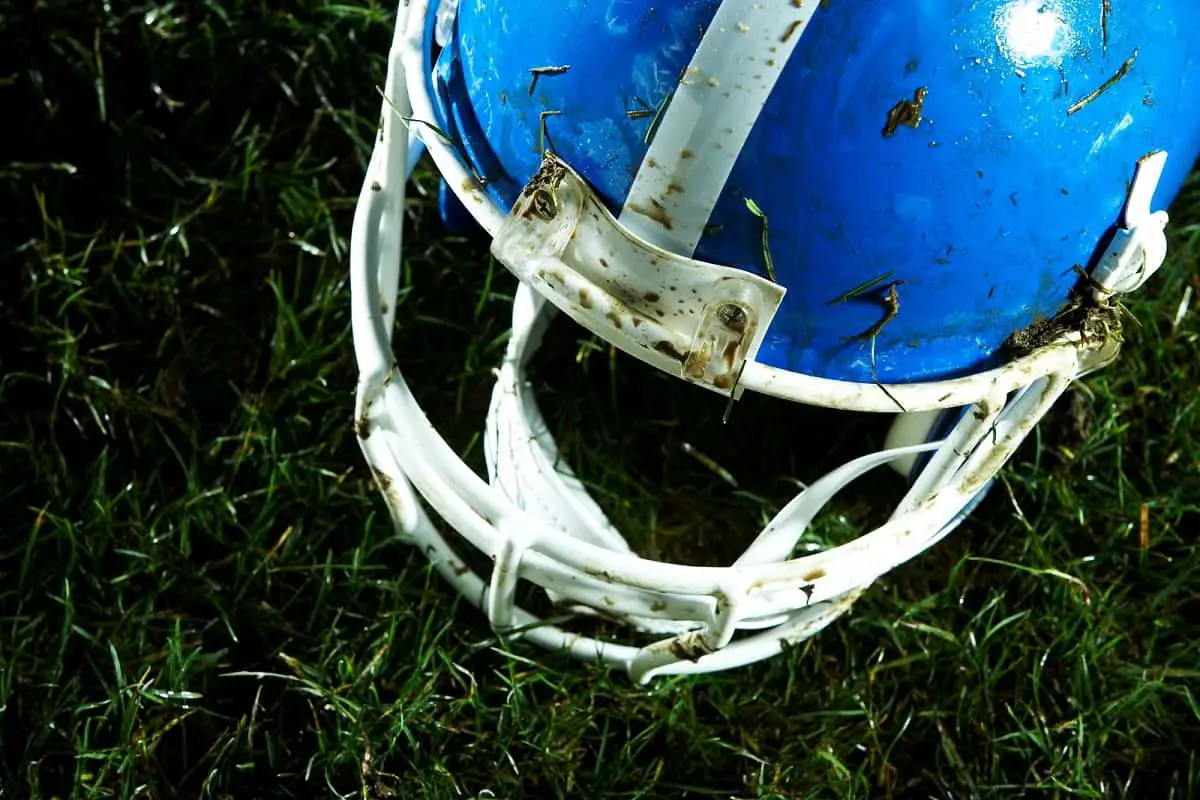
{"x":200,"y":595}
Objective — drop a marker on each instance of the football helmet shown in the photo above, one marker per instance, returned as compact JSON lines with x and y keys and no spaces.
{"x":890,"y":206}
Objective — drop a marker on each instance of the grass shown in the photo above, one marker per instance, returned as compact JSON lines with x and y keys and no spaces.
{"x":200,"y":595}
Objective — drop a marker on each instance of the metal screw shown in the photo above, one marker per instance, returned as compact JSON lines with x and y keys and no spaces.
{"x":733,"y":317}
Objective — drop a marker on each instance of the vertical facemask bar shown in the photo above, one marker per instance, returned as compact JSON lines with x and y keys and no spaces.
{"x":709,"y":118}
{"x":522,"y":458}
{"x":378,"y":227}
{"x":413,"y":46}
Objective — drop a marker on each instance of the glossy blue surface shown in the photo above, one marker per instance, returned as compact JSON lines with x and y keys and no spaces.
{"x":982,"y":209}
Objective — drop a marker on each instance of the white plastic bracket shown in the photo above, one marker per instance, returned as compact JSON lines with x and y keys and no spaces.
{"x":698,"y":320}
{"x":1139,"y":247}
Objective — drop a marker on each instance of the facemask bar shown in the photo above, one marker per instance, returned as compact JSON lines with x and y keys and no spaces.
{"x":564,"y":544}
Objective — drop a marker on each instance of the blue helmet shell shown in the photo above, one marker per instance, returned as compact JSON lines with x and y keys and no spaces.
{"x":1026,"y":119}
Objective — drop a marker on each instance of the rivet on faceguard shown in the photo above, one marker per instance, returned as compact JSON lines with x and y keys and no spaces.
{"x":545,"y":204}
{"x":732,"y":316}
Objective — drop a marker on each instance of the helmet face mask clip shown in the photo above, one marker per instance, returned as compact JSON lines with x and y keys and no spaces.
{"x":912,"y":233}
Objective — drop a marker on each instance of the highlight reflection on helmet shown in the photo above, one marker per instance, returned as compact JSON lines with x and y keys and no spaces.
{"x":882,"y":206}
